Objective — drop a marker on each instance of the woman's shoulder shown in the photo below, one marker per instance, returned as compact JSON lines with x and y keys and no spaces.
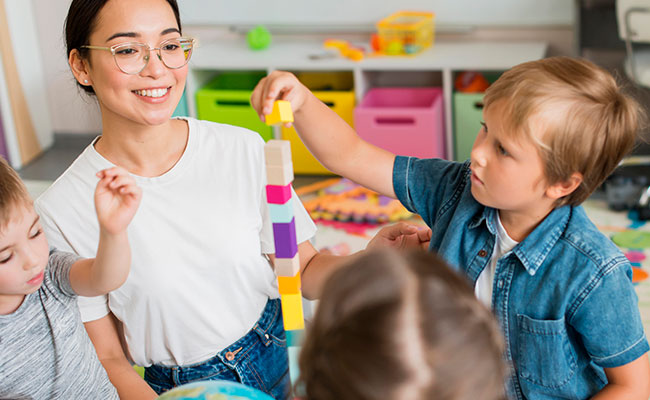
{"x":224,"y":132}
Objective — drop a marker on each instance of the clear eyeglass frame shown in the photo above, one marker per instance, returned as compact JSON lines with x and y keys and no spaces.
{"x":131,"y":64}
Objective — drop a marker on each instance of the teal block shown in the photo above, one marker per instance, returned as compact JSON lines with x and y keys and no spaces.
{"x":294,"y":337}
{"x":281,"y":213}
{"x":294,"y":370}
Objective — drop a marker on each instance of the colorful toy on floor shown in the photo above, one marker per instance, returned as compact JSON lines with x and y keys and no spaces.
{"x":346,"y":201}
{"x":280,"y":114}
{"x":279,"y":172}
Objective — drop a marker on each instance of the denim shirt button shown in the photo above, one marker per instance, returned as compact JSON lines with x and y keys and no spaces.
{"x":230,"y":356}
{"x":266,"y":335}
{"x":482,"y":253}
{"x":500,"y":283}
{"x":524,"y":374}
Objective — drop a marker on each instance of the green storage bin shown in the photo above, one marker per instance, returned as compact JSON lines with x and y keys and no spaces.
{"x":468,"y":114}
{"x":226,"y":99}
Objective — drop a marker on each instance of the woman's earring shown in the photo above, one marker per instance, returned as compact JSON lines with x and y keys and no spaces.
{"x":86,"y":81}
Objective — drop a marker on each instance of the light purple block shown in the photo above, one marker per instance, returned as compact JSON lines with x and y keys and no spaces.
{"x":278,"y":194}
{"x":284,"y":236}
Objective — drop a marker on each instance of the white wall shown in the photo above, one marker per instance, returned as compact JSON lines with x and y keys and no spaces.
{"x":72,"y":111}
{"x":366,"y":12}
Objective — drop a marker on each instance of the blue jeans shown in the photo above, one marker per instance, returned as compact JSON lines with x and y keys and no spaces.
{"x":259,"y":359}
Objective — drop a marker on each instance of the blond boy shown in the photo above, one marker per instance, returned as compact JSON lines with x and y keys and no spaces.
{"x":45,"y":352}
{"x":510,"y":219}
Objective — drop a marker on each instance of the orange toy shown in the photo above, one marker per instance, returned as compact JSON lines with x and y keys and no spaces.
{"x":471,"y":82}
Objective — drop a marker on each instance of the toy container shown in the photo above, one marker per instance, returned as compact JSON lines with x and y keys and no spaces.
{"x":405,"y":33}
{"x":468,"y":114}
{"x":226,"y":99}
{"x":334,"y":89}
{"x":405,"y":121}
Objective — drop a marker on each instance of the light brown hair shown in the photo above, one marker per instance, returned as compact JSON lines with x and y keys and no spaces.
{"x":13,"y":193}
{"x":401,"y":326}
{"x":577,"y":114}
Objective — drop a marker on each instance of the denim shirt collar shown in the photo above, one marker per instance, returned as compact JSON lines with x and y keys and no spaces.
{"x":532,"y":251}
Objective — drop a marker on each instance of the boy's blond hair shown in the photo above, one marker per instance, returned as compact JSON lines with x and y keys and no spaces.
{"x":577,"y":114}
{"x":13,"y":193}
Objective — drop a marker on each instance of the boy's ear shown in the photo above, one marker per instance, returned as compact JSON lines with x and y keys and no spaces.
{"x":565,"y":188}
{"x":79,"y":67}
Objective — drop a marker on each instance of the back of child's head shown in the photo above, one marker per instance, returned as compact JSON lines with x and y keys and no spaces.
{"x":577,"y":114}
{"x":13,"y":193}
{"x":395,"y":326}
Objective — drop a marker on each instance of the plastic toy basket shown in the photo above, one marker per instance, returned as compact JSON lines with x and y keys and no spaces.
{"x":406,"y":32}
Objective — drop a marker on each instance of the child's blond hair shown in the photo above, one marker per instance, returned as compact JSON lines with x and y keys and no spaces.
{"x":577,"y":114}
{"x":401,"y":326}
{"x":13,"y":193}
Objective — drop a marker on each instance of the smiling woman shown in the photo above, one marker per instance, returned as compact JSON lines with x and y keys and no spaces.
{"x":201,"y":294}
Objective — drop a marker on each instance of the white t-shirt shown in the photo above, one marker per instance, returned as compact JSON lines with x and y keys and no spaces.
{"x":199,"y":280}
{"x":503,"y":244}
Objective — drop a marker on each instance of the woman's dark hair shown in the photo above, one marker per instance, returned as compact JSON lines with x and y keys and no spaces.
{"x":394,"y":326}
{"x":81,"y":21}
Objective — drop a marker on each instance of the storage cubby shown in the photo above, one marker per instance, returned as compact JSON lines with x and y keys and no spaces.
{"x":457,"y":115}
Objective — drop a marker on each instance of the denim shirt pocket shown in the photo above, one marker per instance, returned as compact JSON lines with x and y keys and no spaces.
{"x":546,"y":357}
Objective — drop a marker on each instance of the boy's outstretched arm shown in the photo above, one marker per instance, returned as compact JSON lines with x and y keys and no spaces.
{"x":630,"y":381}
{"x":116,"y":200}
{"x":334,"y":143}
{"x":316,"y":267}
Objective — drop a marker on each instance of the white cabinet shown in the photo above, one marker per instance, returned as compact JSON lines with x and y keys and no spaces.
{"x":435,"y":66}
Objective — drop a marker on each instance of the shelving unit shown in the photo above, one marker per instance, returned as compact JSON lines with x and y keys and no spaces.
{"x":435,"y":66}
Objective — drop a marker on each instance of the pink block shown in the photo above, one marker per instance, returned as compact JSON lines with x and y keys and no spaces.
{"x":278,"y":194}
{"x":404,"y":121}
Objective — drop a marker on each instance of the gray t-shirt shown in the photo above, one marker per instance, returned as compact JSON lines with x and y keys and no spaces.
{"x":45,"y":352}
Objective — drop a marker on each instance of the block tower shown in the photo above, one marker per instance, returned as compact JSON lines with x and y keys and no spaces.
{"x":279,"y":173}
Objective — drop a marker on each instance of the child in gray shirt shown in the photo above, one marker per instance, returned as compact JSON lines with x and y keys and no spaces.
{"x":45,"y":352}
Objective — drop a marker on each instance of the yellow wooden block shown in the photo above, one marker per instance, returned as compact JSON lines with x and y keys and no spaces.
{"x":292,"y":311}
{"x":281,"y":113}
{"x":289,"y":284}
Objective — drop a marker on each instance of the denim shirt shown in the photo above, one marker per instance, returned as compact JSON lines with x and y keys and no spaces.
{"x":563,"y":296}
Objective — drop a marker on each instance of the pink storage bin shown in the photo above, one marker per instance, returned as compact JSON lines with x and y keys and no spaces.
{"x":404,"y":121}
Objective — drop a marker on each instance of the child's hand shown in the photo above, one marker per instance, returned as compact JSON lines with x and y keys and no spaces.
{"x":116,"y":199}
{"x":402,"y":236}
{"x":279,"y":85}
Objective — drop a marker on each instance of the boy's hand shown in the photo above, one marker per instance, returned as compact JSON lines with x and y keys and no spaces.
{"x":402,"y":236}
{"x":279,"y":85}
{"x":116,"y":199}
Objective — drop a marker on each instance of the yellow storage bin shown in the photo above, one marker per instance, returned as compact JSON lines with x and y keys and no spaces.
{"x":335,"y":90}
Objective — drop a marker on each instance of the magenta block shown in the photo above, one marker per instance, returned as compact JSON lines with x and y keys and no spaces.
{"x":278,"y":194}
{"x":284,"y":236}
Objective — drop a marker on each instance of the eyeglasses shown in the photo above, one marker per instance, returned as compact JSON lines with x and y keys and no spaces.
{"x":132,"y":57}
